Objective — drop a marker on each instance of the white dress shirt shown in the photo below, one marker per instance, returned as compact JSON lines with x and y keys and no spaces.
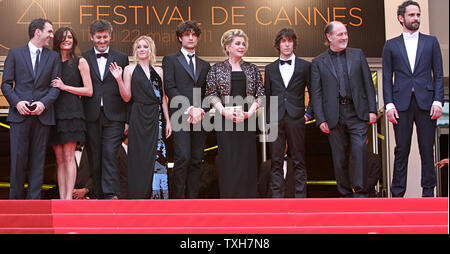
{"x":411,"y":43}
{"x":186,"y":53}
{"x":287,"y":70}
{"x":33,"y":53}
{"x":101,"y":62}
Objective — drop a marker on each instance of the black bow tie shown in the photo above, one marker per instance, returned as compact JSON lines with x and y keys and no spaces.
{"x":105,"y":55}
{"x":285,"y":61}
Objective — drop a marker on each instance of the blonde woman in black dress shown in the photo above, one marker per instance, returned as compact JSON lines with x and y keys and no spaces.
{"x":226,"y":80}
{"x":70,"y":126}
{"x":149,"y":123}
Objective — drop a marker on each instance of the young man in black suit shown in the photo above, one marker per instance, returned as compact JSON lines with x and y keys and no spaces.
{"x":344,"y":103}
{"x":184,"y":76}
{"x":32,"y":68}
{"x":416,"y":95}
{"x":287,"y":78}
{"x":105,"y":111}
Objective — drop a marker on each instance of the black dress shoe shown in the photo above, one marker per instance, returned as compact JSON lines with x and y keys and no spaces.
{"x":111,"y":197}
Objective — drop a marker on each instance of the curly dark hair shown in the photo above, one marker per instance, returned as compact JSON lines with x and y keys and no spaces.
{"x":187,"y":26}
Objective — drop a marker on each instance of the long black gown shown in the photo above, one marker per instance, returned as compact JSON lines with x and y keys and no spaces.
{"x":237,"y":152}
{"x":70,"y":121}
{"x":146,"y":148}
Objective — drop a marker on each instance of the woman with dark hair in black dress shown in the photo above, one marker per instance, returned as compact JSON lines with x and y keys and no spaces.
{"x":70,"y":127}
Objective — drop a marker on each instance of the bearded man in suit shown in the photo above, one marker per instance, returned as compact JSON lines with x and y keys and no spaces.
{"x":344,"y":103}
{"x":416,"y":94}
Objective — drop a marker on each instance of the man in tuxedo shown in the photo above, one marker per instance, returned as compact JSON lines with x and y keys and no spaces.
{"x":185,"y":72}
{"x":31,"y":68}
{"x":343,"y":97}
{"x":105,"y":111}
{"x":416,"y":95}
{"x":287,"y":78}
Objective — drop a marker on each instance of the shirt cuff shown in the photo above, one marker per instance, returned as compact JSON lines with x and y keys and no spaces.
{"x":186,"y":112}
{"x":390,"y":106}
{"x":437,"y":103}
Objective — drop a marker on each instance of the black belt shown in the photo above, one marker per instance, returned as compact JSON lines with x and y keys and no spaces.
{"x":343,"y":100}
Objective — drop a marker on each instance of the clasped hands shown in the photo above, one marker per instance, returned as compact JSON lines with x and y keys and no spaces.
{"x":195,"y":115}
{"x":236,"y":114}
{"x":27,"y":108}
{"x":36,"y":107}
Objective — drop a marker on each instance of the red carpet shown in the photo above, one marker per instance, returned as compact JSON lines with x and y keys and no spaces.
{"x":241,"y":216}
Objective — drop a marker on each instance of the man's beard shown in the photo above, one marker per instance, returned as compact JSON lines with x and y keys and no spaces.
{"x":413,"y":26}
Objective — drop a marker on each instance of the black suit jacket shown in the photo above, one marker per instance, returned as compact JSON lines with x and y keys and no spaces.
{"x":427,"y":79}
{"x":114,"y":107}
{"x":291,"y":99}
{"x":178,"y":79}
{"x":28,"y":87}
{"x":325,"y":87}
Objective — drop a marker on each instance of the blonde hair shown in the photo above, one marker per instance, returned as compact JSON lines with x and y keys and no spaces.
{"x":228,"y":37}
{"x":151,"y":48}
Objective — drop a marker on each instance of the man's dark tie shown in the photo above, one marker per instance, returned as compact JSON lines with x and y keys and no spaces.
{"x":191,"y":64}
{"x":105,"y":55}
{"x":285,"y":61}
{"x":341,"y":73}
{"x":36,"y":63}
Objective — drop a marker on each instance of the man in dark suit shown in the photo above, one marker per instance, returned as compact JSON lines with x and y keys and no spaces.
{"x":287,"y":78}
{"x":343,"y":97}
{"x":105,"y":111}
{"x":32,"y":68}
{"x":416,"y":95}
{"x":185,"y":80}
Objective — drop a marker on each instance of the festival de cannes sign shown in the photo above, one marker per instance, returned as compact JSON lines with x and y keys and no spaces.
{"x":260,"y":19}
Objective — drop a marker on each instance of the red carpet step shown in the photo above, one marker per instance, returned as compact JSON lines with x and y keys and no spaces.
{"x":227,"y":216}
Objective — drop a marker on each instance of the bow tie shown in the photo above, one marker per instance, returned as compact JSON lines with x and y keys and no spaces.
{"x":285,"y":61}
{"x":105,"y":55}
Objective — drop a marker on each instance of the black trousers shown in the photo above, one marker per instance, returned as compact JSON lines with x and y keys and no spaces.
{"x":103,"y":140}
{"x":348,"y":138}
{"x":188,"y":154}
{"x":425,"y":128}
{"x":28,"y":147}
{"x":292,"y":131}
